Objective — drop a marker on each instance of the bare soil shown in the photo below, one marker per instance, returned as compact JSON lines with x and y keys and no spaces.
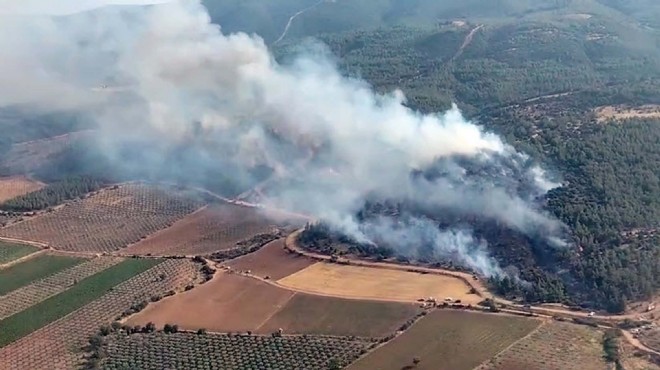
{"x":214,"y":228}
{"x":227,"y":303}
{"x":619,"y":113}
{"x":273,"y":260}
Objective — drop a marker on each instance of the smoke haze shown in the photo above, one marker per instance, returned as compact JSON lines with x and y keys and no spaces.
{"x":175,"y":81}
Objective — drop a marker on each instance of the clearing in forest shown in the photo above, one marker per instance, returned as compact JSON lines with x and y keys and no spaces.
{"x":13,"y":251}
{"x":272,"y":260}
{"x":618,"y":113}
{"x":555,"y":345}
{"x":449,"y":340}
{"x":39,"y":267}
{"x":377,"y":283}
{"x":11,"y":187}
{"x":216,"y":227}
{"x":108,"y":220}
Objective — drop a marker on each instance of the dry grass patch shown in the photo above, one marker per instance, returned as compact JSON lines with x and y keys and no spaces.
{"x":555,"y":345}
{"x":449,"y":340}
{"x":273,"y":260}
{"x":618,"y":113}
{"x":377,"y":283}
{"x":214,"y":228}
{"x":11,"y":187}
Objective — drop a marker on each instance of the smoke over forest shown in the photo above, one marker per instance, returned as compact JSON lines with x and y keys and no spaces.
{"x":170,"y":94}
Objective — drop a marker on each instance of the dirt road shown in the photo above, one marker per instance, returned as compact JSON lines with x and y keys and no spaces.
{"x":288,"y":24}
{"x":467,"y":41}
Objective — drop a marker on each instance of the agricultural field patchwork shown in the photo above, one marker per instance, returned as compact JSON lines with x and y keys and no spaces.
{"x":228,"y":303}
{"x":11,"y":187}
{"x":217,"y":351}
{"x":22,"y":298}
{"x":57,"y":346}
{"x":375,"y":283}
{"x":272,"y":261}
{"x":38,"y":267}
{"x":451,"y":340}
{"x":109,"y":220}
{"x":216,"y":227}
{"x":555,"y":345}
{"x":13,"y":251}
{"x":80,"y":294}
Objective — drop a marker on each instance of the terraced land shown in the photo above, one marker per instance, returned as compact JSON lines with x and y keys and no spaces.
{"x":57,"y":346}
{"x":12,"y":251}
{"x":555,"y":345}
{"x":39,"y":267}
{"x":108,"y":220}
{"x":21,"y":299}
{"x":214,"y":228}
{"x":11,"y":187}
{"x":449,"y":340}
{"x":55,"y":307}
{"x":192,"y":351}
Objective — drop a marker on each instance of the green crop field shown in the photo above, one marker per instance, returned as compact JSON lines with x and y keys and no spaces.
{"x":11,"y":251}
{"x":36,"y":268}
{"x":85,"y":291}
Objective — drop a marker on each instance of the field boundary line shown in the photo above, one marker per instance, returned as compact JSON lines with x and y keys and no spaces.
{"x":23,"y":241}
{"x":537,"y":328}
{"x":276,"y":311}
{"x":291,"y":243}
{"x":23,"y":259}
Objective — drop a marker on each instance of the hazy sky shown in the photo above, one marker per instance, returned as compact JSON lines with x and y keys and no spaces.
{"x":64,"y":7}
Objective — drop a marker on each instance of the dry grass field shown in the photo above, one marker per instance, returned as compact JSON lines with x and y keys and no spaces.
{"x":57,"y":346}
{"x":449,"y":340}
{"x":376,"y":283}
{"x":108,"y":220}
{"x":617,"y":113}
{"x":310,"y":314}
{"x":273,"y":260}
{"x":555,"y":345}
{"x":651,"y":338}
{"x":11,"y":187}
{"x":216,"y":227}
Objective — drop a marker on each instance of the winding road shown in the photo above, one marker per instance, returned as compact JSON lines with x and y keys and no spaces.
{"x":288,"y":24}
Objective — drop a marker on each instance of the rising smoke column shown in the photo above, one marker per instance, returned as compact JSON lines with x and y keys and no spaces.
{"x":333,"y":141}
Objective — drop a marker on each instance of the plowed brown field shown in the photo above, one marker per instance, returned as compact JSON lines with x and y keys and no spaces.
{"x":273,"y":260}
{"x":213,"y":228}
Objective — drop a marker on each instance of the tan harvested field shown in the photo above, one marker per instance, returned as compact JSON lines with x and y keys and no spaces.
{"x":28,"y":156}
{"x":555,"y":345}
{"x":377,"y":283}
{"x":11,"y":187}
{"x":449,"y":340}
{"x":57,"y":346}
{"x":227,"y":303}
{"x":617,"y":113}
{"x":311,"y":314}
{"x":273,"y":260}
{"x":108,"y":220}
{"x":216,"y":227}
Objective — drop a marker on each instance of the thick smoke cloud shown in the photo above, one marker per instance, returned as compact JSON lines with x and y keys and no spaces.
{"x":175,"y":81}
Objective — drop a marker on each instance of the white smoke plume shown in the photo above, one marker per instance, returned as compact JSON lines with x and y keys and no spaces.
{"x":331,"y":140}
